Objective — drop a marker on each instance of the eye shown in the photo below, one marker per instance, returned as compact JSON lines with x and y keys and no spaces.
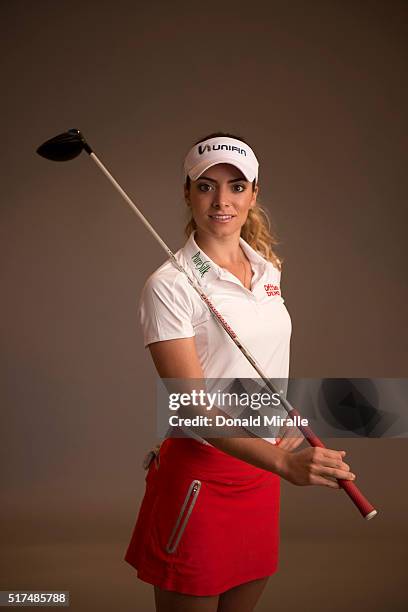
{"x":203,"y":187}
{"x":241,"y":188}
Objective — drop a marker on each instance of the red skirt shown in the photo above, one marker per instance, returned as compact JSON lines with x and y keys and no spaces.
{"x":207,"y":522}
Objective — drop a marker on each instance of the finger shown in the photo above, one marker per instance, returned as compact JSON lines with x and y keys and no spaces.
{"x":335,"y":473}
{"x":325,"y":456}
{"x":283,"y":443}
{"x":329,"y":452}
{"x":291,"y":434}
{"x":325,"y":482}
{"x":335,"y":463}
{"x":297,"y":442}
{"x":290,"y":443}
{"x":333,"y":454}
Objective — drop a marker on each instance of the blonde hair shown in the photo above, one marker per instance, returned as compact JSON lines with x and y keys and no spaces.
{"x":256,"y":231}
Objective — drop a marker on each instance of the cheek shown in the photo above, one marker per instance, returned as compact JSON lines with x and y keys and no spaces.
{"x":201,"y":200}
{"x":198,"y":209}
{"x":244,"y":208}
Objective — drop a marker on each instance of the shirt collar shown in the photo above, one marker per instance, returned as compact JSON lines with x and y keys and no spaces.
{"x":202,"y":266}
{"x":254,"y":257}
{"x":206,"y":270}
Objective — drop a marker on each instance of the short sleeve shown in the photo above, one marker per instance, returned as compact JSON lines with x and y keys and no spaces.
{"x":165,"y":309}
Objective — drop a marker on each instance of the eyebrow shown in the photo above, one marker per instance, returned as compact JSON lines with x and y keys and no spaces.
{"x":207,"y":178}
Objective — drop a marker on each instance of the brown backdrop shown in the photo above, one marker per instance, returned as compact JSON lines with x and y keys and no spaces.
{"x":319,"y":89}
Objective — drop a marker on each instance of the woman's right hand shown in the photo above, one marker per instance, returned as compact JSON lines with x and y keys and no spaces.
{"x":315,"y":466}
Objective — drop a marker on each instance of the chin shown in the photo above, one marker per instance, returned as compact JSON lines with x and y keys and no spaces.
{"x":221,"y":229}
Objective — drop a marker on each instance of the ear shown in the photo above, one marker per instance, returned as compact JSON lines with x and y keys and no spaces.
{"x":254,"y":196}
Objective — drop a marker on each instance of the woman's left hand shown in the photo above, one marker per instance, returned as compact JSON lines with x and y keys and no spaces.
{"x":289,"y":438}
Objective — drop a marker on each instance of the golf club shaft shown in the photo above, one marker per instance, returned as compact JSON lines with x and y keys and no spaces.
{"x":364,"y":506}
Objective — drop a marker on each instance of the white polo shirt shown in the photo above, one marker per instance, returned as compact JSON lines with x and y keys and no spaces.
{"x":170,"y":308}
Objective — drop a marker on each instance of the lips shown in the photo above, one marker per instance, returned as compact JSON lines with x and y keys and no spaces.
{"x":221,"y":218}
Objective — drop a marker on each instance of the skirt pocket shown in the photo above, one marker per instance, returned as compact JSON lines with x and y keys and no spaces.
{"x":183,"y":516}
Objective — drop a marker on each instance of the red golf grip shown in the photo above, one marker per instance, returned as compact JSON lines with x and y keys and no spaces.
{"x":364,"y":506}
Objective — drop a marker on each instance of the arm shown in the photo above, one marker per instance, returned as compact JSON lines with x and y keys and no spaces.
{"x":178,"y":359}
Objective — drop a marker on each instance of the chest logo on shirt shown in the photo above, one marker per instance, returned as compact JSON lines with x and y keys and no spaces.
{"x":202,"y":266}
{"x":272,"y":289}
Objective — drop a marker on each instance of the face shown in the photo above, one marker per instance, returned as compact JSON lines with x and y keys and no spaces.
{"x":220,"y":200}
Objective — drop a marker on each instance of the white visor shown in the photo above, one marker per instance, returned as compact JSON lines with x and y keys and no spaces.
{"x":221,"y":150}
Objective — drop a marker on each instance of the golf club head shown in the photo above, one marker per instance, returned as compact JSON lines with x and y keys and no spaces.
{"x":64,"y":147}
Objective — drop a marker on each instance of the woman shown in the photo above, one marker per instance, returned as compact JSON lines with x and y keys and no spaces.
{"x":207,"y":531}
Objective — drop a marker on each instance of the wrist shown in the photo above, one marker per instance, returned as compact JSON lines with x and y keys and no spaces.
{"x":280,"y":462}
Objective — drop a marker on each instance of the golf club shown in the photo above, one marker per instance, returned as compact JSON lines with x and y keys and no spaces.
{"x":69,"y":145}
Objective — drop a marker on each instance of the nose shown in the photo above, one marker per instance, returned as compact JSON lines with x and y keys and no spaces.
{"x":220,"y":198}
{"x":218,"y":204}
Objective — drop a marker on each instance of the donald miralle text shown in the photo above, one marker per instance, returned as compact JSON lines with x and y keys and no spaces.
{"x":227,"y":402}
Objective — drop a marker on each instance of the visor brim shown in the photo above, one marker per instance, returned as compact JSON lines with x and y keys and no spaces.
{"x":198,"y":170}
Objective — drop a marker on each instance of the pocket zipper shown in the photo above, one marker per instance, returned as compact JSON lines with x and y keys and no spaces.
{"x":192,"y":495}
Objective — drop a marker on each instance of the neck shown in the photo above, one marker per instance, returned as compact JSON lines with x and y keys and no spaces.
{"x":223,"y":250}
